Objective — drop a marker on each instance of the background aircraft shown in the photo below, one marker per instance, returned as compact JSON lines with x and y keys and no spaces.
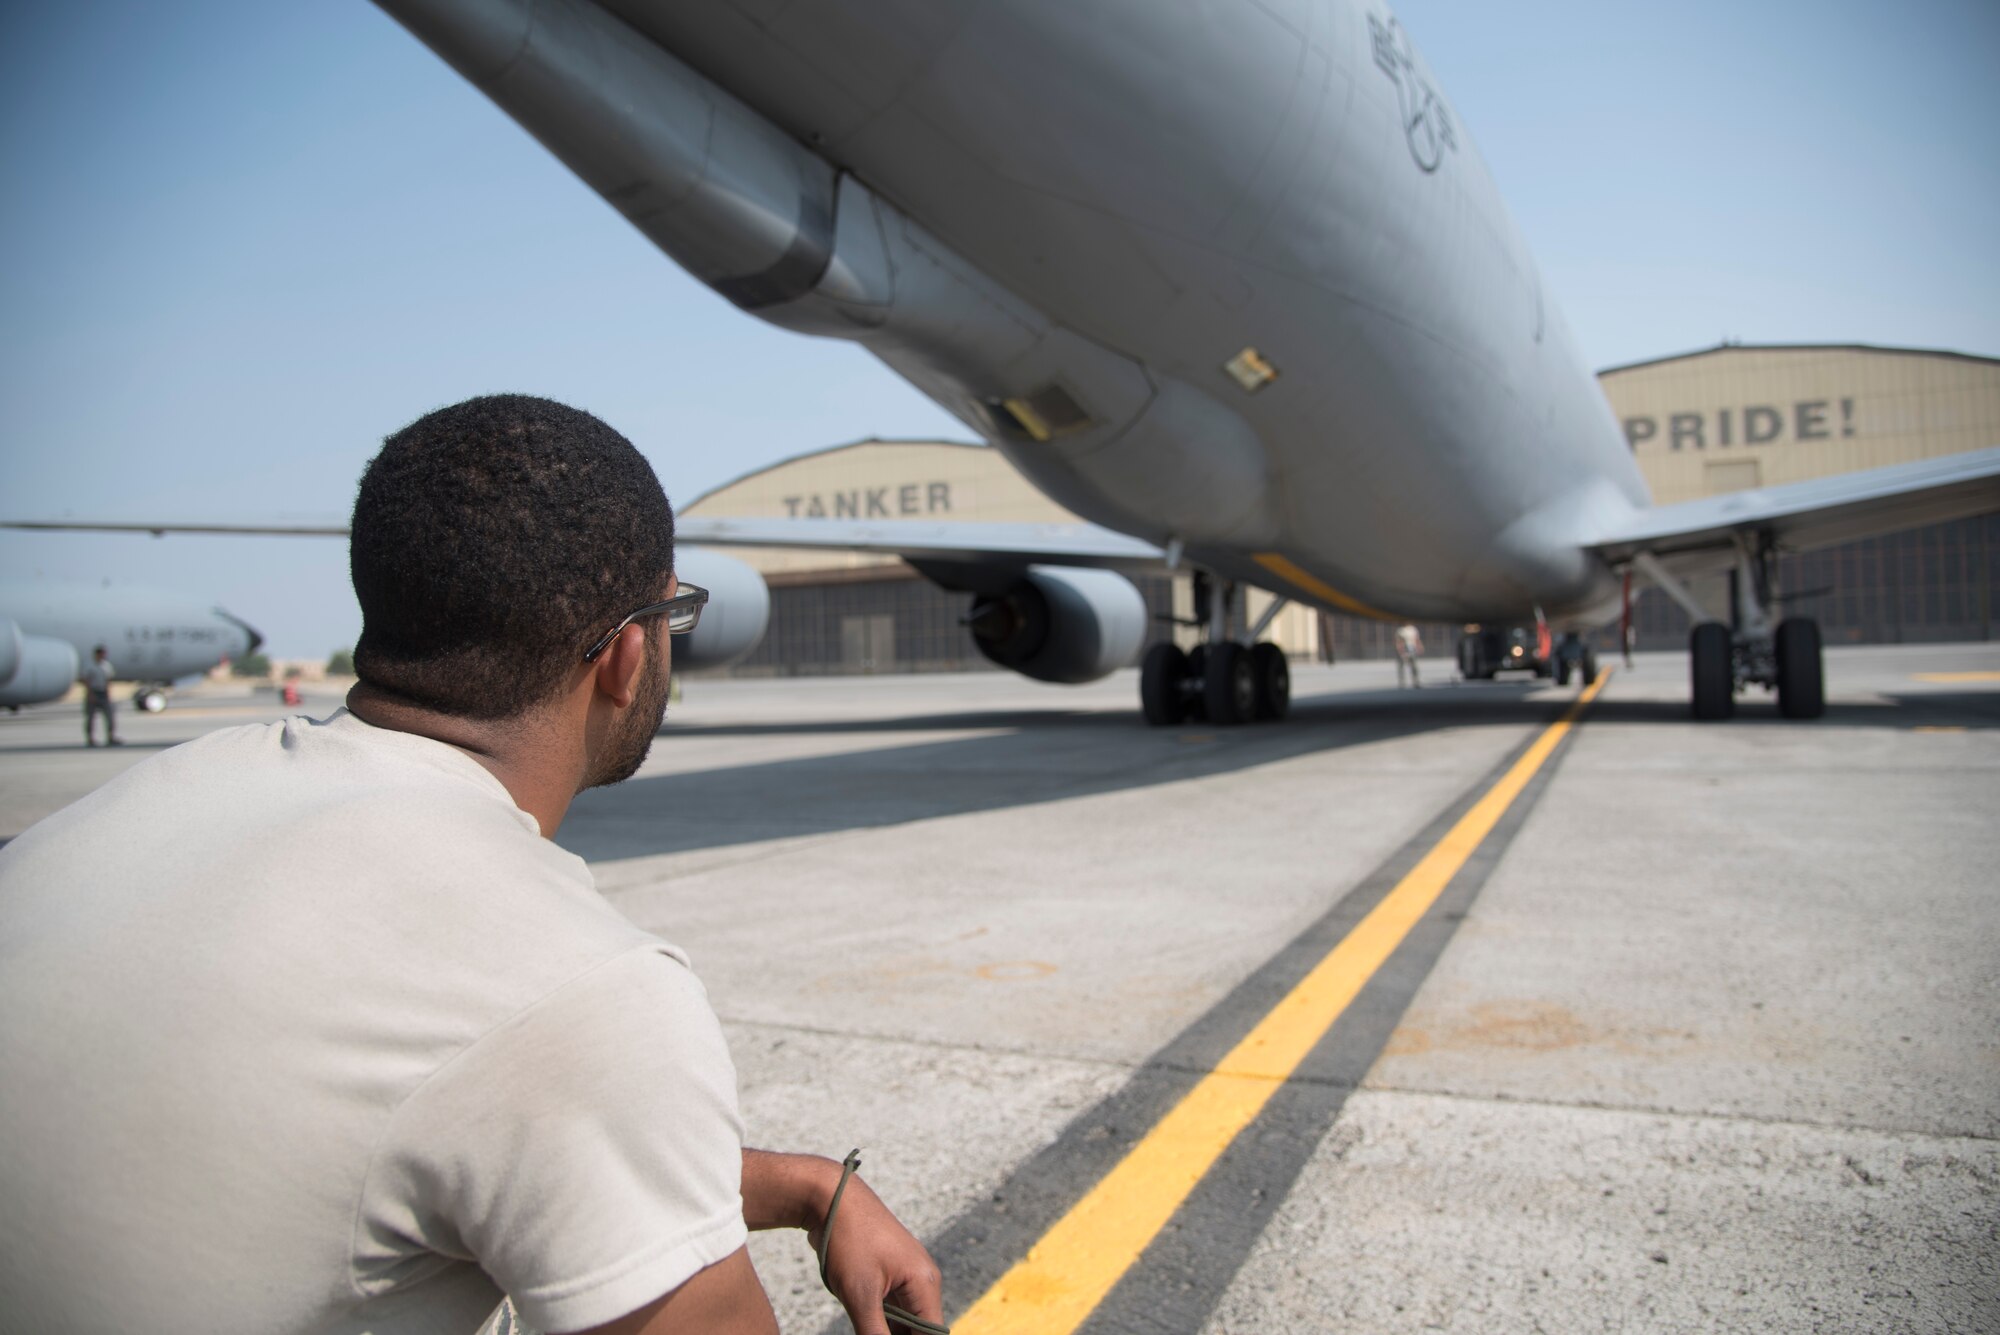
{"x":1229,"y":280}
{"x":738,"y":613}
{"x":48,"y":629}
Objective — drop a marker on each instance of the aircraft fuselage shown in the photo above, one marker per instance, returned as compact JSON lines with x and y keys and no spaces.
{"x":1226,"y":276}
{"x":1180,"y":182}
{"x":52,"y":626}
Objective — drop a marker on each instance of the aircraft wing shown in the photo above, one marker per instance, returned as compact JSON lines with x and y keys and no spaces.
{"x":327,"y":530}
{"x":917,"y":540}
{"x":1697,"y":535}
{"x":922,"y":540}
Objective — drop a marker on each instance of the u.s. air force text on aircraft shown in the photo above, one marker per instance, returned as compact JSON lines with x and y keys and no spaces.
{"x":872,"y":502}
{"x":1754,"y":424}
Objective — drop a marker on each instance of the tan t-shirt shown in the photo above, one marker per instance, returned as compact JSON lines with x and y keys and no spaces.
{"x":304,"y":1027}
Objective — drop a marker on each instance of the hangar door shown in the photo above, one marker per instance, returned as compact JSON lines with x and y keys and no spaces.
{"x":868,"y":643}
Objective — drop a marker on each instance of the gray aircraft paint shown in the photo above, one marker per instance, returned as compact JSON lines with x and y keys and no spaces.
{"x":1115,"y":199}
{"x":150,"y":635}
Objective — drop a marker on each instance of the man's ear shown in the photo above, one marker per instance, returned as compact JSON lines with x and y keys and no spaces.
{"x":619,"y":666}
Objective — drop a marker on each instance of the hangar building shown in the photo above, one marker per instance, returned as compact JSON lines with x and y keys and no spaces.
{"x":1701,"y":423}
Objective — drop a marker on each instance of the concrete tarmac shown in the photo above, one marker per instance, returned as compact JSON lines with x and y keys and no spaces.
{"x":1706,"y":1035}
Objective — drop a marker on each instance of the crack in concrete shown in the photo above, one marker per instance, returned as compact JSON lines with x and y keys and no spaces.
{"x":1682,"y":1114}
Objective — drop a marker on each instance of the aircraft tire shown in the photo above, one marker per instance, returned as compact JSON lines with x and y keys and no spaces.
{"x":1229,"y":687}
{"x":149,"y":699}
{"x":1562,"y":672}
{"x":1161,"y":677}
{"x":1469,"y":658}
{"x":1273,"y":676}
{"x":1194,"y":705}
{"x":1711,"y":671}
{"x":1589,"y":666}
{"x":1801,"y":670}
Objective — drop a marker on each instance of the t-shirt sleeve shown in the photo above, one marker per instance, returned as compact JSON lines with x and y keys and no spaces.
{"x":587,"y":1153}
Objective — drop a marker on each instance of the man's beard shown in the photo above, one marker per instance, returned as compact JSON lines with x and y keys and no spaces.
{"x":627,"y":749}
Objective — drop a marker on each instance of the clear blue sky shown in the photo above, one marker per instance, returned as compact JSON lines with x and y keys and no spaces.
{"x":246,"y":240}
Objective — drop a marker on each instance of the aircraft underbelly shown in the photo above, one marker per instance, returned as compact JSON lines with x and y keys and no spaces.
{"x":1063,"y":222}
{"x":1175,"y":216}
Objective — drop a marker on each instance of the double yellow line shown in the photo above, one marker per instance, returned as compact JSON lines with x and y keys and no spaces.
{"x":1065,"y":1275}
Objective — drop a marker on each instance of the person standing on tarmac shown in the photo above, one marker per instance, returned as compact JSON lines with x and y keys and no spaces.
{"x":308,"y":1026}
{"x":1409,"y":647}
{"x":96,"y":679}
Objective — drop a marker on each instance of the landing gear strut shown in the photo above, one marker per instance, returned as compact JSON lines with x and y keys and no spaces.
{"x":1225,"y":680}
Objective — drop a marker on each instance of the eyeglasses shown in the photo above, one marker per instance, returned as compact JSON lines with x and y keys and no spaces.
{"x":683,"y":615}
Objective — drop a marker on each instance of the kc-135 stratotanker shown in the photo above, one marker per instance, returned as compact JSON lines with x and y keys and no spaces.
{"x":153,"y":637}
{"x":1227,"y":279}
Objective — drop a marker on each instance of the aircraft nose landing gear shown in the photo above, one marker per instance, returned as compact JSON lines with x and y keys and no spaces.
{"x":1574,"y":656}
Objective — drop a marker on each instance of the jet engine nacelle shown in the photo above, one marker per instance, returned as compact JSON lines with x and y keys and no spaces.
{"x":739,"y":609}
{"x":1062,"y":624}
{"x":33,"y":668}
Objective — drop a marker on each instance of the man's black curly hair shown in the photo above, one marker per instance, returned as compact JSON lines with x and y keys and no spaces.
{"x":493,"y":541}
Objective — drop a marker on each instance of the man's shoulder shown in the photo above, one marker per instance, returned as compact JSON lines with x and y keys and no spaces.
{"x":317,"y":805}
{"x":386,"y":872}
{"x":337,"y":761}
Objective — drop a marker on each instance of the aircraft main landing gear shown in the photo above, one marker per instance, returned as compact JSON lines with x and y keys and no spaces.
{"x":1711,"y":671}
{"x":1721,"y":663}
{"x":1229,"y":688}
{"x":1223,"y":681}
{"x":1800,"y":669}
{"x":1163,"y":679}
{"x":1749,"y":650}
{"x":1273,"y":675}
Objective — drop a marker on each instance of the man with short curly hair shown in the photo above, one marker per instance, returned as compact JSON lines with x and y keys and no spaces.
{"x":308,"y":1026}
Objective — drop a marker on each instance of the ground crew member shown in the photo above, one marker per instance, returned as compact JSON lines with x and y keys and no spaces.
{"x":97,"y":699}
{"x":1409,"y":646}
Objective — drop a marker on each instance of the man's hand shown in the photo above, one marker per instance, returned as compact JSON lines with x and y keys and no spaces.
{"x":870,"y":1259}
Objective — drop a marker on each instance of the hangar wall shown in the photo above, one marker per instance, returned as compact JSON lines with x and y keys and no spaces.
{"x":1721,"y":419}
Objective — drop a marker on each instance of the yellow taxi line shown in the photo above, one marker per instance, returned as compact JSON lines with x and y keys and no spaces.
{"x":1065,"y":1275}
